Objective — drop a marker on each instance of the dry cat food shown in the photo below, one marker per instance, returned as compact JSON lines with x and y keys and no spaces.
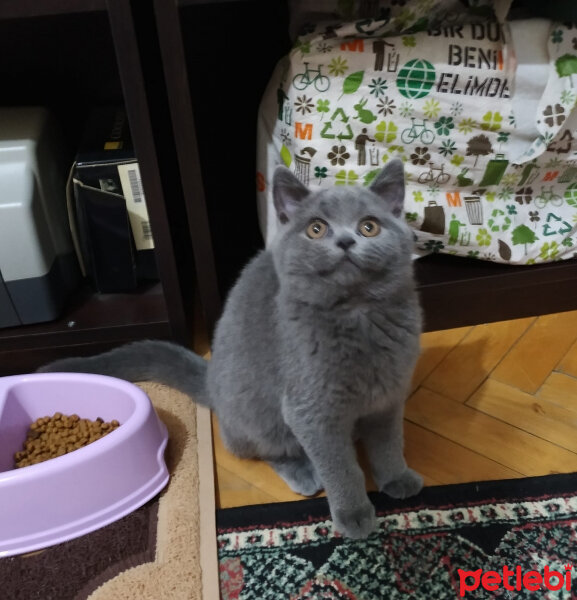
{"x":49,"y":437}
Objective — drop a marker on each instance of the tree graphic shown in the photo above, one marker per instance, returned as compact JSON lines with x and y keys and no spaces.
{"x":566,"y":66}
{"x":502,"y":138}
{"x":480,"y":145}
{"x":523,"y":235}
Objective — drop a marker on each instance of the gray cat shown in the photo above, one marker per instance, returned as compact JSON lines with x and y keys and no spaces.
{"x":315,"y":348}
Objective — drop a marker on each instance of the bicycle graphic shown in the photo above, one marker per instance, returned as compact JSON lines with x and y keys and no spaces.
{"x":429,"y":175}
{"x":418,"y":131}
{"x":547,"y":196}
{"x":301,"y":81}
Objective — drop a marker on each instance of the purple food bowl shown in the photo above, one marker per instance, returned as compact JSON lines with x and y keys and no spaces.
{"x":65,"y":497}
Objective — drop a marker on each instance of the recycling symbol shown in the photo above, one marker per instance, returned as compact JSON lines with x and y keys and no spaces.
{"x":328,"y":133}
{"x":359,"y":25}
{"x":499,"y":221}
{"x":549,"y":228}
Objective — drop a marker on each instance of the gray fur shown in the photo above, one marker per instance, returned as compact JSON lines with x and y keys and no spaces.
{"x":148,"y":360}
{"x":315,"y":348}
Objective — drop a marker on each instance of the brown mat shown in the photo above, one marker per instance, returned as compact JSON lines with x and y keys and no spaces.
{"x":164,"y":550}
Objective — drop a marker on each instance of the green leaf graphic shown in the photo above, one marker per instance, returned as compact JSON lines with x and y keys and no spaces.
{"x":571,"y":195}
{"x":285,"y":154}
{"x":369,"y":177}
{"x":352,"y":82}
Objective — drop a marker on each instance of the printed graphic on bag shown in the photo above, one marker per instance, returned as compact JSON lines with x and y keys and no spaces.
{"x":347,"y":99}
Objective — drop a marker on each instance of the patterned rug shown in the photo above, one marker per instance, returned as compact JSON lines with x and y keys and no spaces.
{"x":501,"y":539}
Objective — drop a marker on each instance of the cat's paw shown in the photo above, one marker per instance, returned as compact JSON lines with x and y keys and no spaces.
{"x":356,"y":523}
{"x":408,"y":484}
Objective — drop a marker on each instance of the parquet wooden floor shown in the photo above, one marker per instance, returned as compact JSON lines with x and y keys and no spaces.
{"x":488,"y":402}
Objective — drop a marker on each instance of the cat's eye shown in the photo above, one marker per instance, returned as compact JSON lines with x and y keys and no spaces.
{"x":317,"y":229}
{"x":369,"y":227}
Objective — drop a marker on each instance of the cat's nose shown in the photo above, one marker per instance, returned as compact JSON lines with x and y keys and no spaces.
{"x":346,"y":242}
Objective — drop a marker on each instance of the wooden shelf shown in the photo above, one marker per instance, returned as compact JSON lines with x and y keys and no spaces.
{"x":18,"y":9}
{"x":457,"y":291}
{"x":95,"y":317}
{"x":92,"y":323}
{"x":213,"y":2}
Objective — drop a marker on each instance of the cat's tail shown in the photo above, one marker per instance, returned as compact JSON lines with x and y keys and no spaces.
{"x":147,"y":360}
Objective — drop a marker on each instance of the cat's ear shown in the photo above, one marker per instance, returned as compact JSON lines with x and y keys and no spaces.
{"x":288,"y":193}
{"x":389,"y":184}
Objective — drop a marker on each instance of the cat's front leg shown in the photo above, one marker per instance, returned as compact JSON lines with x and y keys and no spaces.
{"x":298,"y":473}
{"x":330,"y":448}
{"x":382,"y":436}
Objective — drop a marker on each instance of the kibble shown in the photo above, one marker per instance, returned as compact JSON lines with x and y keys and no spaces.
{"x":49,"y":437}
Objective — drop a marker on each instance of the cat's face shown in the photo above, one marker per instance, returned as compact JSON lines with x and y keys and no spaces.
{"x":344,"y":238}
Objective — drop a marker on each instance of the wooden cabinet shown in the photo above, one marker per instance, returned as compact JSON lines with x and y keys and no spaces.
{"x":71,"y":55}
{"x":191,"y":74}
{"x":218,"y":58}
